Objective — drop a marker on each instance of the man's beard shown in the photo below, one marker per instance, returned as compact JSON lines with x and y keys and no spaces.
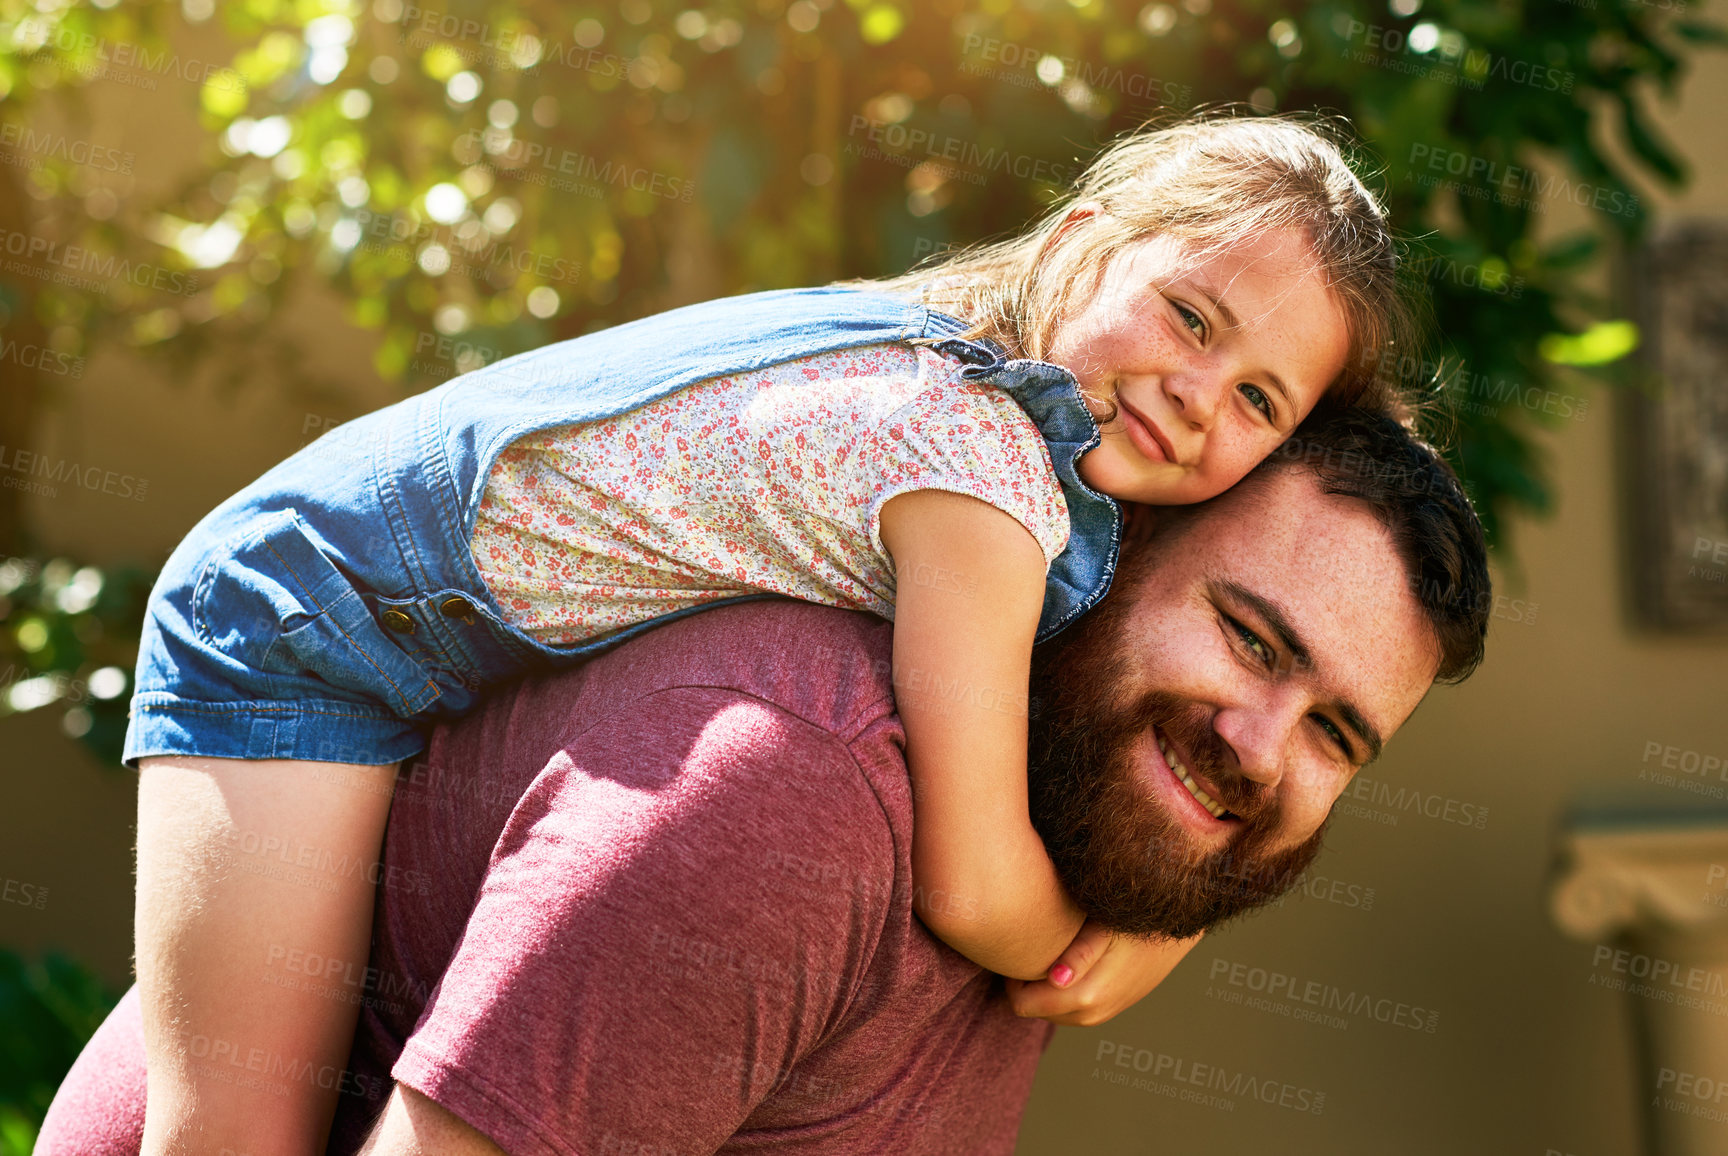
{"x":1125,"y":860}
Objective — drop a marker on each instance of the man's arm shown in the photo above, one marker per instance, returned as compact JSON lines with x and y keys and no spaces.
{"x":412,"y":1125}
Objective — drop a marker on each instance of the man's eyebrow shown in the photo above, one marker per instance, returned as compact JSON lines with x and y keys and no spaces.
{"x":1272,"y":615}
{"x":1279,"y":624}
{"x":1229,"y":316}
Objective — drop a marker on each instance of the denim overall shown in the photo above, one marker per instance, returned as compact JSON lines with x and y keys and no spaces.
{"x":332,"y":610}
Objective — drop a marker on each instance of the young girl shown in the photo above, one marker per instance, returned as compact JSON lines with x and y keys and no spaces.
{"x":935,"y":449}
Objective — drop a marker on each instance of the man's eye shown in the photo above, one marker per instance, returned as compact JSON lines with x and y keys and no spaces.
{"x":1252,"y":641}
{"x":1258,"y":399}
{"x":1336,"y":735}
{"x":1195,"y":323}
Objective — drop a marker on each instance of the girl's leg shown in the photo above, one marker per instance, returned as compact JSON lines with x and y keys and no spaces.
{"x":255,"y":885}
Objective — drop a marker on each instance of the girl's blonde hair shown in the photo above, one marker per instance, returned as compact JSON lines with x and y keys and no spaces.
{"x":1213,"y":181}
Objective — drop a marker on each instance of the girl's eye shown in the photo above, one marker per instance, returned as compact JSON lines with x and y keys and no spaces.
{"x":1252,"y":642}
{"x":1196,"y":324}
{"x":1257,"y":398}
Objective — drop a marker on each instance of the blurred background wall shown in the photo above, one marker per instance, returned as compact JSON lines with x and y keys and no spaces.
{"x":774,"y":145}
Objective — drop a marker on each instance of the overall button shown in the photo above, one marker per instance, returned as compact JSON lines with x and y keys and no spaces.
{"x":457,"y":608}
{"x":397,"y":621}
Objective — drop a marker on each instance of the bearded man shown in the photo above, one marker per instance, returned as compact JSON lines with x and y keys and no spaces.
{"x":663,"y":903}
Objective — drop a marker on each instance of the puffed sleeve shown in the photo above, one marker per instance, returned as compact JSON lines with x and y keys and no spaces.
{"x":966,"y":438}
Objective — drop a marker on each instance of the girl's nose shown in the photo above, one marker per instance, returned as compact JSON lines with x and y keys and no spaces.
{"x":1196,"y":396}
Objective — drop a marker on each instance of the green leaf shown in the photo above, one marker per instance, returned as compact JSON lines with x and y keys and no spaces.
{"x":1698,"y":32}
{"x":1602,"y":343}
{"x":1653,"y":151}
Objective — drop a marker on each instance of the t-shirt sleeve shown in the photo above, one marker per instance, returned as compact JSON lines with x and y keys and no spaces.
{"x":971,"y":439}
{"x":634,"y":975}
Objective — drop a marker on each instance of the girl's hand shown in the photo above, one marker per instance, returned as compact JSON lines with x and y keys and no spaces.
{"x":1099,"y":976}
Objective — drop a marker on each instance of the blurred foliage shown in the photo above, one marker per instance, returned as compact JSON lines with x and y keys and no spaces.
{"x":477,"y":179}
{"x":504,"y":174}
{"x":47,"y":1010}
{"x":69,"y":640}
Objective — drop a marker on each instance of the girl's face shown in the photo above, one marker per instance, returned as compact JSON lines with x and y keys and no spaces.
{"x":1211,"y":366}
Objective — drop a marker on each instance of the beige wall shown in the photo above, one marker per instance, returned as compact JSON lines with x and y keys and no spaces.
{"x":1526,"y":1054}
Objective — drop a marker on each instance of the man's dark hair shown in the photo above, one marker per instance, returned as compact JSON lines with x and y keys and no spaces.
{"x":1415,"y":495}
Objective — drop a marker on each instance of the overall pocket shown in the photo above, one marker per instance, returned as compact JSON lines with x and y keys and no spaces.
{"x":278,"y":605}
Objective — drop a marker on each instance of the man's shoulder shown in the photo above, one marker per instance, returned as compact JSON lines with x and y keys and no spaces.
{"x":828,"y":667}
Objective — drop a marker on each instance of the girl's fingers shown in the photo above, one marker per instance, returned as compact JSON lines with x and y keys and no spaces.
{"x":1124,"y":972}
{"x":1079,"y":956}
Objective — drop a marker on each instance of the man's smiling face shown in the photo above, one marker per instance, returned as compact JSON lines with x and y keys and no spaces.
{"x":1196,"y":730}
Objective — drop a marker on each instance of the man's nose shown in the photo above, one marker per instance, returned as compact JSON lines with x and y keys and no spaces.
{"x":1259,"y":740}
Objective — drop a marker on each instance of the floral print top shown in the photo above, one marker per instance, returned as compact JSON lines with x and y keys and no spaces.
{"x":769,"y":481}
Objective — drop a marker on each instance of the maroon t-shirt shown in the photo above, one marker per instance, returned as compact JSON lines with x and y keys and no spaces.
{"x":662,"y":904}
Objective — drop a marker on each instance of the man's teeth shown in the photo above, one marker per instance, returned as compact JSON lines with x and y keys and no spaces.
{"x":1211,"y":805}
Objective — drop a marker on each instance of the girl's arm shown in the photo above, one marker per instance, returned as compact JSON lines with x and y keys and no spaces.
{"x":969,"y":583}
